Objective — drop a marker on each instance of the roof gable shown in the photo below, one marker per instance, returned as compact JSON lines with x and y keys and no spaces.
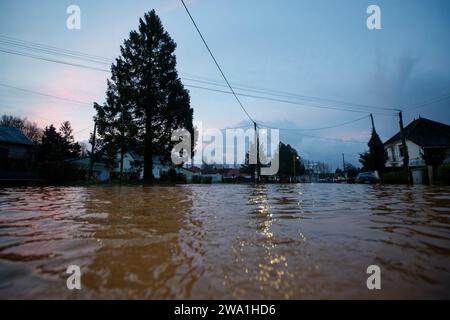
{"x":13,"y":135}
{"x":425,"y":133}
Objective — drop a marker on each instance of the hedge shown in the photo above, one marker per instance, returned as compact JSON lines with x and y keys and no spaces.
{"x":396,"y":177}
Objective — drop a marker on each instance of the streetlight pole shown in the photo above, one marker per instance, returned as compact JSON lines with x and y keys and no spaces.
{"x":257,"y":152}
{"x":91,"y":164}
{"x":294,"y":160}
{"x":293,"y":164}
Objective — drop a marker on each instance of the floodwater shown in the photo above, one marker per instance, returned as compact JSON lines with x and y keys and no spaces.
{"x":303,"y":241}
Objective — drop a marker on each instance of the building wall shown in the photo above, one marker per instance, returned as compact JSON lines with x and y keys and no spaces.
{"x":396,"y":160}
{"x":419,"y":175}
{"x":189,"y":174}
{"x":16,"y":151}
{"x":127,"y":160}
{"x":159,"y":169}
{"x":215,"y":178}
{"x":100,"y":171}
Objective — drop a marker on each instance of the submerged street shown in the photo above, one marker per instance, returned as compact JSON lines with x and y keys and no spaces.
{"x":225,"y":241}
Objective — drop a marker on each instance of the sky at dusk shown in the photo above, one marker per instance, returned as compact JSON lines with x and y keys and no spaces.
{"x":313,"y":48}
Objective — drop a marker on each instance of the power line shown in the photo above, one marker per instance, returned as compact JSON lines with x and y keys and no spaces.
{"x":429,"y":102}
{"x":51,"y":52}
{"x":285,"y":101}
{"x":28,"y":55}
{"x":102,"y":60}
{"x":240,"y":127}
{"x":215,"y":61}
{"x":190,"y":79}
{"x":321,"y":128}
{"x":243,"y":126}
{"x":317,"y":137}
{"x":44,"y":94}
{"x":187,"y":85}
{"x":290,"y":95}
{"x":324,"y":138}
{"x":48,"y":50}
{"x":74,"y":55}
{"x":56,"y":49}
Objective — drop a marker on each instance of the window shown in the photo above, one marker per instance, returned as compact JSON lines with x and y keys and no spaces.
{"x":393,"y":157}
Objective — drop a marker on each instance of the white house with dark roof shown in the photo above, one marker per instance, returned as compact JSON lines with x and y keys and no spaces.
{"x":423,"y":136}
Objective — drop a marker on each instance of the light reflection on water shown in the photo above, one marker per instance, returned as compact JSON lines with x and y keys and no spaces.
{"x":225,"y":241}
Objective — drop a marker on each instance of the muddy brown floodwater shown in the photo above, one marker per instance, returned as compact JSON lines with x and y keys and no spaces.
{"x":225,"y":241}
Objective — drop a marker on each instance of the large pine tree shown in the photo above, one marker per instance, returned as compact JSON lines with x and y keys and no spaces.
{"x":375,"y":158}
{"x":145,"y":96}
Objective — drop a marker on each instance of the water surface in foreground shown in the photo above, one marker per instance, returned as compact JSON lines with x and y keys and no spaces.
{"x":225,"y":241}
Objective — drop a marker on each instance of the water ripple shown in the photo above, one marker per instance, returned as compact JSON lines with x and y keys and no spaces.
{"x":225,"y":241}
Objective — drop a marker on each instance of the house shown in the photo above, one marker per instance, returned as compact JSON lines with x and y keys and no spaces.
{"x":190,"y":173}
{"x":234,"y":175}
{"x":159,"y":167}
{"x":133,"y":166}
{"x":100,"y":170}
{"x":424,"y":139}
{"x":213,"y":174}
{"x":16,"y":154}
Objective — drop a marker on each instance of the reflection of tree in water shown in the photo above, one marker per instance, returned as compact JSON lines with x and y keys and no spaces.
{"x":139,"y":254}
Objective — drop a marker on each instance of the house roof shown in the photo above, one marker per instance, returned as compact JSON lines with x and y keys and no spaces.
{"x":85,"y":163}
{"x":235,"y":173}
{"x":136,"y":156}
{"x":210,"y":171}
{"x":13,"y":135}
{"x":425,"y":133}
{"x":193,"y":169}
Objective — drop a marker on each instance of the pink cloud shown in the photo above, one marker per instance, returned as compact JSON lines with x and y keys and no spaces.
{"x":45,"y":114}
{"x":75,"y":84}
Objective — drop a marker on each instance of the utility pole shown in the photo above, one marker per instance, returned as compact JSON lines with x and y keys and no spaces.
{"x":293,"y":164}
{"x":373,"y":124}
{"x":257,"y":153}
{"x":405,"y":147}
{"x":91,"y":165}
{"x":343,"y":165}
{"x":309,"y":171}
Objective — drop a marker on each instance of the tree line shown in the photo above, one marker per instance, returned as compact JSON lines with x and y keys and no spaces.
{"x":145,"y":102}
{"x":51,"y":148}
